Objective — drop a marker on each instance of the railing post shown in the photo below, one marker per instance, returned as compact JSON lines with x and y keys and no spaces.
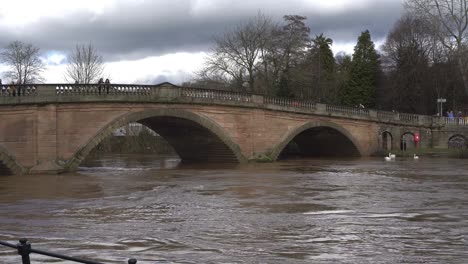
{"x":321,"y":109}
{"x":47,"y":91}
{"x":258,"y":99}
{"x":167,"y":92}
{"x":132,"y":261}
{"x":24,"y":249}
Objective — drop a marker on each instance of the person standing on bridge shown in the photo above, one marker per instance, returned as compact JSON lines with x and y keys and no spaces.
{"x":100,"y":83}
{"x":107,"y":86}
{"x":12,"y":89}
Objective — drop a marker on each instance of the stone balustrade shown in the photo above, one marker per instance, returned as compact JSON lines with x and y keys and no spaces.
{"x":387,"y":116}
{"x":289,"y":102}
{"x":166,"y":92}
{"x":93,"y":89}
{"x":357,"y":111}
{"x":214,"y":94}
{"x":455,"y":121}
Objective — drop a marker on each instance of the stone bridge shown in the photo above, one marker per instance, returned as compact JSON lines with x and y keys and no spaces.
{"x":51,"y":128}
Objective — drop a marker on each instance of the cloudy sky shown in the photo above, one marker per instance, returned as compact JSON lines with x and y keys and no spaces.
{"x":151,"y":41}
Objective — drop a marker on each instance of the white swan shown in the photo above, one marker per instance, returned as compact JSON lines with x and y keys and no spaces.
{"x":415,"y":157}
{"x":392,"y":156}
{"x":387,"y":158}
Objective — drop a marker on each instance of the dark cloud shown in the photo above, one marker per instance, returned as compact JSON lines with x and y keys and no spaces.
{"x":132,"y":30}
{"x":176,"y":78}
{"x":378,"y":18}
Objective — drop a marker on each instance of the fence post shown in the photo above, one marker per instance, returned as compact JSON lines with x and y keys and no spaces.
{"x":24,"y":249}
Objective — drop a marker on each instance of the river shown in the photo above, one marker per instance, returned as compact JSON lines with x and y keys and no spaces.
{"x":296,"y":211}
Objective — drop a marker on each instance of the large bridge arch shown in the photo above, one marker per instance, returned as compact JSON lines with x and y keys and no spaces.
{"x":152,"y":118}
{"x":316,"y":125}
{"x":9,"y":161}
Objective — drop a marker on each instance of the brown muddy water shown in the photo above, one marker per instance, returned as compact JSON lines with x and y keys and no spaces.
{"x":299,"y":211}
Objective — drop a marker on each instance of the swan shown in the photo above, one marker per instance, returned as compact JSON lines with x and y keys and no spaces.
{"x":387,"y":158}
{"x":415,"y":157}
{"x":392,"y":156}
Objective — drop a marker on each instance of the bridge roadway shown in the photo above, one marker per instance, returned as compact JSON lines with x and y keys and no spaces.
{"x":50,"y":128}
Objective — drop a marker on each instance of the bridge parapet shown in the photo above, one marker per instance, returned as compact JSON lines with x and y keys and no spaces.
{"x":408,"y":118}
{"x":57,"y":90}
{"x":168,"y":93}
{"x":93,"y":89}
{"x":455,"y":121}
{"x":353,"y":111}
{"x":215,"y":94}
{"x":289,"y":102}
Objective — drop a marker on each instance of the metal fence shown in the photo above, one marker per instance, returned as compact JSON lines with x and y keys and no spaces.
{"x":25,"y":249}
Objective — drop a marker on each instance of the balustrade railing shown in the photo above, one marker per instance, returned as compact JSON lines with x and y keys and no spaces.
{"x":74,"y":89}
{"x":455,"y":121}
{"x":214,"y":94}
{"x":62,"y":90}
{"x":387,"y":116}
{"x":24,"y":249}
{"x":18,"y":90}
{"x":348,"y":110}
{"x":408,"y":118}
{"x":288,"y":102}
{"x":102,"y":89}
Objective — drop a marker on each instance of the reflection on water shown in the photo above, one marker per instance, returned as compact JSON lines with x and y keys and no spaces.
{"x":301,"y":211}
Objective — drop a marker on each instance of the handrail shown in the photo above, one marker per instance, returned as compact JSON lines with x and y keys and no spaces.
{"x":289,"y":102}
{"x":348,"y":110}
{"x":455,"y":121}
{"x":215,"y":94}
{"x":24,"y":249}
{"x":48,"y":93}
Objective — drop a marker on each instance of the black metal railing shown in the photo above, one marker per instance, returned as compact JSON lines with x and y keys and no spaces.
{"x":25,"y":249}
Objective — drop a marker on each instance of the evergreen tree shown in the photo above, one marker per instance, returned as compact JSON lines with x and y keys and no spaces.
{"x":324,"y":68}
{"x":283,"y":88}
{"x":364,"y":72}
{"x":290,"y":47}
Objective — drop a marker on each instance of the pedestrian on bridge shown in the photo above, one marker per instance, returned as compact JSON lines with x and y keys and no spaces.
{"x":100,"y":83}
{"x":12,"y":89}
{"x":107,"y":85}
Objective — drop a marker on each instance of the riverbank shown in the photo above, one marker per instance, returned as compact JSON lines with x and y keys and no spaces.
{"x":144,"y":143}
{"x":429,"y":152}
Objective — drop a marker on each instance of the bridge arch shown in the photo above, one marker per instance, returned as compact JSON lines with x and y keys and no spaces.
{"x":457,"y":141}
{"x":154,"y":119}
{"x":407,"y":141}
{"x":9,"y":162}
{"x":341,"y":132}
{"x":386,"y":140}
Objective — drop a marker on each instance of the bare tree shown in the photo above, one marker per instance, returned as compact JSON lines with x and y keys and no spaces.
{"x":25,"y":65}
{"x":85,"y":65}
{"x":238,"y":52}
{"x":407,"y":55}
{"x":449,"y":20}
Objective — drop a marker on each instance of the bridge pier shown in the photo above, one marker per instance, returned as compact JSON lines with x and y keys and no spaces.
{"x":47,"y":167}
{"x":46,"y":141}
